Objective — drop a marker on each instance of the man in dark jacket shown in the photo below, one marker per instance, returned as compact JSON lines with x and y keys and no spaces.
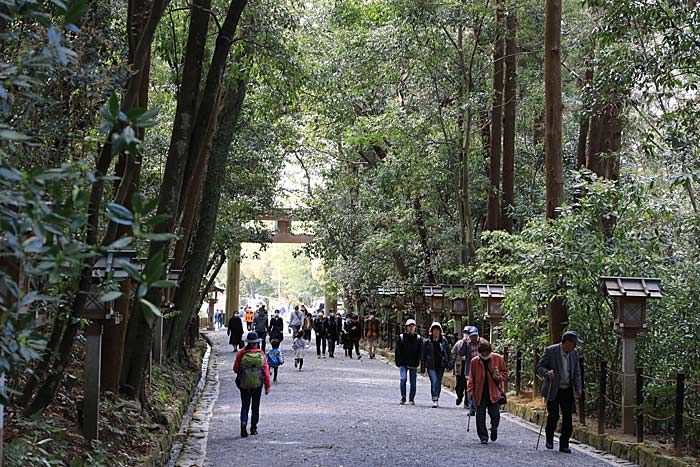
{"x":277,"y":327}
{"x":562,"y":378}
{"x":321,"y":330}
{"x":334,"y":327}
{"x":408,"y":355}
{"x":235,"y":331}
{"x":260,"y":325}
{"x":355,"y":334}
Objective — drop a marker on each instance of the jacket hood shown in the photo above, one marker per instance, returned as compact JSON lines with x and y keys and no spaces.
{"x":436,"y":325}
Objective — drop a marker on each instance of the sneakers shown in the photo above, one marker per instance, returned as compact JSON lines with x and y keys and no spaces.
{"x":566,"y":450}
{"x":318,"y":356}
{"x":253,"y":430}
{"x":494,"y":434}
{"x":485,"y":441}
{"x":435,"y":404}
{"x":244,"y":431}
{"x":411,"y":402}
{"x":549,"y":444}
{"x":459,"y":401}
{"x":403,"y":402}
{"x":331,"y":356}
{"x":359,"y":357}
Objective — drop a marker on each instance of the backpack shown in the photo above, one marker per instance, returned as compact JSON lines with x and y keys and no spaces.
{"x":251,"y":374}
{"x":275,"y":358}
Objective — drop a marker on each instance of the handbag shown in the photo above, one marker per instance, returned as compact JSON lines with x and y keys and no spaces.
{"x":503,"y":399}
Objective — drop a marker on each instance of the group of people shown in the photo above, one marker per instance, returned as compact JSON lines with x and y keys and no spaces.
{"x":480,"y":374}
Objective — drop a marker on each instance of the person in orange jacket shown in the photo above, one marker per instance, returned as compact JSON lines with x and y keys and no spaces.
{"x":249,"y":315}
{"x":485,"y":386}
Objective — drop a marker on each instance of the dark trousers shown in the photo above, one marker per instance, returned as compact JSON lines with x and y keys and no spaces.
{"x":564,"y":402}
{"x":494,"y":414}
{"x":355,"y":344}
{"x":250,"y":397}
{"x":262,"y":335}
{"x":274,"y":372}
{"x":331,"y":346}
{"x":320,"y":340}
{"x":461,"y":386}
{"x":307,"y":335}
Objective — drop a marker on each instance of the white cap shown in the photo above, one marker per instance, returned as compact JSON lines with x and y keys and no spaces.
{"x":410,"y":321}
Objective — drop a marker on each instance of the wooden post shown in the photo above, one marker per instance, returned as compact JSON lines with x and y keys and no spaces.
{"x":233,"y":277}
{"x":505,"y":359}
{"x":678,"y":425}
{"x":582,"y":399}
{"x":93,"y":360}
{"x":640,"y":402}
{"x":518,"y":371}
{"x":210,"y":315}
{"x":601,"y":396}
{"x":2,"y":417}
{"x":628,"y":383}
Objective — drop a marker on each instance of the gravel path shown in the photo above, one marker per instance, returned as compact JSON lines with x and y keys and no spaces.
{"x":342,"y":412}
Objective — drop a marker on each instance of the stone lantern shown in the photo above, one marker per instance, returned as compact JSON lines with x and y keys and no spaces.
{"x":493,"y":295}
{"x":629,"y":296}
{"x":99,"y":312}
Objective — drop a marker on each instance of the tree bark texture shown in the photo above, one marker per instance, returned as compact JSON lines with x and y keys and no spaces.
{"x":493,"y":206}
{"x":187,"y":294}
{"x":508,"y":196}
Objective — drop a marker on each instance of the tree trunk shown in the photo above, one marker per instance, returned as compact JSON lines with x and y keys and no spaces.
{"x":187,"y":294}
{"x":425,"y":244}
{"x":508,"y":201}
{"x":554,"y":172}
{"x":493,"y":207}
{"x":584,"y":123}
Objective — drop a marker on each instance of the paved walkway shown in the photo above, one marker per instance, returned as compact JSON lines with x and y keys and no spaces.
{"x":342,"y":412}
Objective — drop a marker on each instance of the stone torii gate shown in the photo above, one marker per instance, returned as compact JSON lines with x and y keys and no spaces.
{"x":283,"y":234}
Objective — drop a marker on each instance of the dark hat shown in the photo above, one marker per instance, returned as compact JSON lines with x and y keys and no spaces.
{"x":252,"y":338}
{"x":571,"y":336}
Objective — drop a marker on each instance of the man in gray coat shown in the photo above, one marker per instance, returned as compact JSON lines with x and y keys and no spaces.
{"x":562,"y":378}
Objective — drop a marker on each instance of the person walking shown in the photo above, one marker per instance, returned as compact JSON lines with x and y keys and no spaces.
{"x":320,"y":325}
{"x":560,"y":369}
{"x":437,"y":358}
{"x":355,"y":334}
{"x":407,"y":356}
{"x":333,"y":333}
{"x":275,"y":358}
{"x":249,"y":315}
{"x":296,"y":321}
{"x":486,"y":375}
{"x":463,"y":357}
{"x":260,"y":326}
{"x":307,"y":326}
{"x":276,"y":327}
{"x":235,"y":331}
{"x":474,"y":342}
{"x":298,"y":346}
{"x":216,"y":320}
{"x":372,"y":330}
{"x":252,"y":373}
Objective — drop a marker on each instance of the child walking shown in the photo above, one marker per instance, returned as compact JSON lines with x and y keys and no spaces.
{"x":298,"y":347}
{"x":275,"y":358}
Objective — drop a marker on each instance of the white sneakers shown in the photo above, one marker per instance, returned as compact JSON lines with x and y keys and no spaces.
{"x":435,"y":404}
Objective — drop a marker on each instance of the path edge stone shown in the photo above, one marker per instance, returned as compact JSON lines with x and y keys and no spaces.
{"x":639,"y":453}
{"x":167,"y":447}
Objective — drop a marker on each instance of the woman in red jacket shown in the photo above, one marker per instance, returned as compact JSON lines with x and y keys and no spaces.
{"x":252,"y":373}
{"x":485,"y":387}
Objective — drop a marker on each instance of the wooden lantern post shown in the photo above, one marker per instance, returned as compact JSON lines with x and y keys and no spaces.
{"x":98,"y":312}
{"x":435,"y":298}
{"x":630,"y":295}
{"x":493,"y":294}
{"x":212,"y":299}
{"x":458,"y":305}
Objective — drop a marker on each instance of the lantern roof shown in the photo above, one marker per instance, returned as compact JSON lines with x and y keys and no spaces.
{"x":112,"y":262}
{"x":433,"y":291}
{"x":218,"y":289}
{"x":635,"y":287}
{"x":492,"y":290}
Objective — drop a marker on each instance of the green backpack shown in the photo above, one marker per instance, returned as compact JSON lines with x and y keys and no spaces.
{"x":251,"y":372}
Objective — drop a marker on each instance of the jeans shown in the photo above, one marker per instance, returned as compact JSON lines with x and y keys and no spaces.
{"x":405,"y":372}
{"x":372,"y":345}
{"x":435,"y":375}
{"x":248,"y":396}
{"x":295,"y":330}
{"x":494,"y":414}
{"x":320,"y":340}
{"x":263,"y":336}
{"x":565,"y":401}
{"x":331,"y":345}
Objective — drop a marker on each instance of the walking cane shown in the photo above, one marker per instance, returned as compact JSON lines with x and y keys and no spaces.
{"x":469,"y":419}
{"x":544,"y":418}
